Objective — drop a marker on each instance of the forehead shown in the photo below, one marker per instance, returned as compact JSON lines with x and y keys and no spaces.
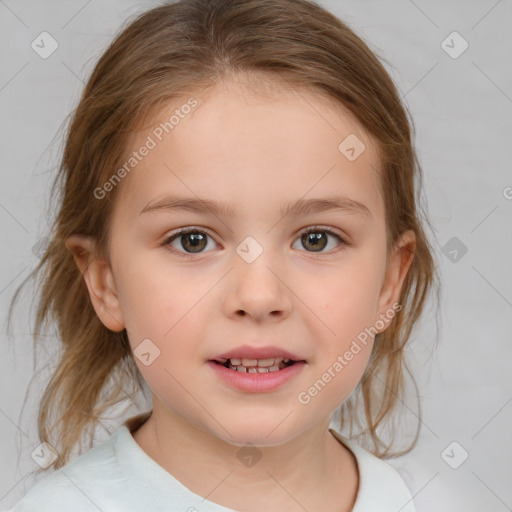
{"x":244,"y":147}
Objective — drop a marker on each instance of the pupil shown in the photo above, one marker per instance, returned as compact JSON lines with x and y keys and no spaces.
{"x":194,"y":238}
{"x":317,"y":240}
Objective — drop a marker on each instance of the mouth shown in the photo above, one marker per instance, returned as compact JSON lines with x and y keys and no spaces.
{"x":260,"y":369}
{"x":245,"y":365}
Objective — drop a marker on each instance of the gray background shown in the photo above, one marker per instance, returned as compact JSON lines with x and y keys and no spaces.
{"x":462,"y":108}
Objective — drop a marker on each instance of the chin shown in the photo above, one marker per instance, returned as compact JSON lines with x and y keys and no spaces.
{"x":262,"y":433}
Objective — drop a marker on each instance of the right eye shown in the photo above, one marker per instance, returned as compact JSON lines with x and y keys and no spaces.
{"x":192,"y":240}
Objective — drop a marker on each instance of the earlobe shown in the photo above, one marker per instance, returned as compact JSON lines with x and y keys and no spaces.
{"x":398,"y":267}
{"x":99,"y":280}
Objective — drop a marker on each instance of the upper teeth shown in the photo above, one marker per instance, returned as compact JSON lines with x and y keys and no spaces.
{"x":257,"y":362}
{"x":256,"y":365}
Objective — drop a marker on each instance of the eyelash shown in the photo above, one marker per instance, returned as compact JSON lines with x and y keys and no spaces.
{"x":312,"y":229}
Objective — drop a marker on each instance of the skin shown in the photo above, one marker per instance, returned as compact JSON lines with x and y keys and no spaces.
{"x":254,"y":152}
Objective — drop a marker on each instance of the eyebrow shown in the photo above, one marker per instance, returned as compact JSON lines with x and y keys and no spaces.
{"x":300,"y":207}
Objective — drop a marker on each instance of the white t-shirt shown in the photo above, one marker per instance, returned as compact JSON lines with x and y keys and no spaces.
{"x":119,"y":476}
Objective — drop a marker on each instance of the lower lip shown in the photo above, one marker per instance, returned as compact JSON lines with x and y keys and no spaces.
{"x":257,"y":382}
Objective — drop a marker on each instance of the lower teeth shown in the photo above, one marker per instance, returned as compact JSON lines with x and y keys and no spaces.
{"x":253,"y":369}
{"x":257,"y":369}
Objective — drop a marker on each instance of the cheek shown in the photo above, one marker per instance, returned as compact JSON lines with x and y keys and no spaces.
{"x":162,"y":327}
{"x":347,"y":301}
{"x":153,"y":299}
{"x":165,"y":306}
{"x":346,"y":311}
{"x":344,"y":347}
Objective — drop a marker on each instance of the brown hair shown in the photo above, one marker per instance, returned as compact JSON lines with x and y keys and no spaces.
{"x":168,"y":53}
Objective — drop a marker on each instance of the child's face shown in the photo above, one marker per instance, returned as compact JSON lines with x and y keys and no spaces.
{"x":197,"y":298}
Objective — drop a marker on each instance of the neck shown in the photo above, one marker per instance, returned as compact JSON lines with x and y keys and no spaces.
{"x":294,"y":474}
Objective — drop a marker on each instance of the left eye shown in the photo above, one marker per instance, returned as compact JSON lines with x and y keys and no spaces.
{"x":317,"y":238}
{"x":194,"y":240}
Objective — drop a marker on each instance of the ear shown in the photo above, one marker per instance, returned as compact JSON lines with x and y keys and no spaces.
{"x":398,"y":266}
{"x":99,"y":280}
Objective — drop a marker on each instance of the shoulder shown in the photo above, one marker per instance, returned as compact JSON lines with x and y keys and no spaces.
{"x":380,"y":485}
{"x":75,"y":486}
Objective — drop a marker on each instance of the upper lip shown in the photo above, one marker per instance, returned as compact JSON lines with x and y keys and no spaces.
{"x":248,"y":352}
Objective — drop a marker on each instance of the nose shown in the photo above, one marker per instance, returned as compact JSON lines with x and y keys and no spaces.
{"x":257,"y":288}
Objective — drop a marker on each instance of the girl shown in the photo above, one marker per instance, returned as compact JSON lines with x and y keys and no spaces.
{"x":238,"y":229}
